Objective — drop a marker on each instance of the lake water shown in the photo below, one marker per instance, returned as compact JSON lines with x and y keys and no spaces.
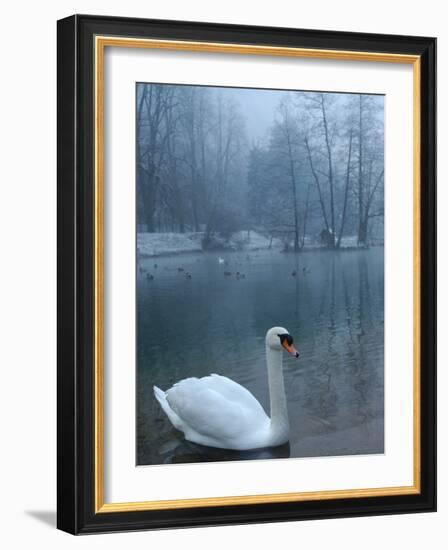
{"x":216,"y":323}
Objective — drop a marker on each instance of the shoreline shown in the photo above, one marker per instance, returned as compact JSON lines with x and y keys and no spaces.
{"x":160,"y":245}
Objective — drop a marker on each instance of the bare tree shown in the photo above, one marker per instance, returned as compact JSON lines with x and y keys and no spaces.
{"x":152,"y":107}
{"x":288,"y":128}
{"x":226,"y":134}
{"x":191,"y":130}
{"x":346,"y":191}
{"x":370,"y":163}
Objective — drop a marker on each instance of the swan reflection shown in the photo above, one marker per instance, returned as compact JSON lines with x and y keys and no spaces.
{"x":181,"y":451}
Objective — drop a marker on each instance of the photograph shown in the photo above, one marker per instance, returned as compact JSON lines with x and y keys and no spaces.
{"x":259,"y":273}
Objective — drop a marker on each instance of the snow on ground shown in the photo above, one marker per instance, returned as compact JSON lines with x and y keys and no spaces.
{"x":164,"y":244}
{"x":167,"y":244}
{"x":348,"y":242}
{"x":242,"y":240}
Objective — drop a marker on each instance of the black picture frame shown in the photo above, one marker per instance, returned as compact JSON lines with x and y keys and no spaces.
{"x":76,"y":286}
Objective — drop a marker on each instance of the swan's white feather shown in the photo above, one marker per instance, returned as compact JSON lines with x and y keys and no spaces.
{"x":161,"y":398}
{"x":214,"y":410}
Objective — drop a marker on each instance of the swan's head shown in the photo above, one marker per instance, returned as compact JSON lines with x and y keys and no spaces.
{"x":278,"y":338}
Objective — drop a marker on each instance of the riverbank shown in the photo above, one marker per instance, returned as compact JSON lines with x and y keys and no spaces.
{"x":151,"y":245}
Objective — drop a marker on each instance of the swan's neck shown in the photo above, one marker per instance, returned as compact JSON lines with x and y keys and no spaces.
{"x":279,"y":411}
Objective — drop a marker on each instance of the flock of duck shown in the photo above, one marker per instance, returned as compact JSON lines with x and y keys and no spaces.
{"x":181,"y":270}
{"x":305,"y":271}
{"x":221,"y":261}
{"x":150,"y":276}
{"x":238,"y":274}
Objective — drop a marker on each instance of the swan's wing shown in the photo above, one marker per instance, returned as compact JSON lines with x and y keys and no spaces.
{"x":215,"y":408}
{"x":234,"y":392}
{"x":225,"y":387}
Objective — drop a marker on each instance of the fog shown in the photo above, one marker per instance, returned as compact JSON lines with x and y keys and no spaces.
{"x":303,"y":168}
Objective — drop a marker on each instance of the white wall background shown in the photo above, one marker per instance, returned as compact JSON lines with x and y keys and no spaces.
{"x":28,"y":272}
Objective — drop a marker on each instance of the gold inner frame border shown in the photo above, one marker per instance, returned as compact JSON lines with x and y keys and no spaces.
{"x":100,"y":44}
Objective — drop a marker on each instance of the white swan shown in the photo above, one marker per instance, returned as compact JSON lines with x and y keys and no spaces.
{"x":217,"y":412}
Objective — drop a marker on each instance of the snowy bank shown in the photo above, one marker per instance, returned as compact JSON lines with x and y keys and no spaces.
{"x":244,"y":240}
{"x":167,"y":244}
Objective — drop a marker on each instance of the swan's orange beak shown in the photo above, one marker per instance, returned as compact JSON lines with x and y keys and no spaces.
{"x":290,"y":349}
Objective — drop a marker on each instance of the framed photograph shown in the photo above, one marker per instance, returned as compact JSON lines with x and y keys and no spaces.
{"x":246,"y":274}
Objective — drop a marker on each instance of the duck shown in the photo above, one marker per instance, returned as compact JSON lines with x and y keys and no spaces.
{"x":216,"y":411}
{"x":221,"y":260}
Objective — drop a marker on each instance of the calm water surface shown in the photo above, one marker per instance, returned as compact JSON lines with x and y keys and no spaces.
{"x":213,"y":323}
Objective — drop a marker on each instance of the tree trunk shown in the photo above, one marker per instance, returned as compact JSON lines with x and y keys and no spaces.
{"x":363,"y":226}
{"x":362,"y":234}
{"x":305,"y":214}
{"x":319,"y":189}
{"x":330,"y":172}
{"x":294,"y":192}
{"x":347,"y":184}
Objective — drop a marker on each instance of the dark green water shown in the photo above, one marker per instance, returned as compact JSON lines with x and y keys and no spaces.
{"x":212,"y":323}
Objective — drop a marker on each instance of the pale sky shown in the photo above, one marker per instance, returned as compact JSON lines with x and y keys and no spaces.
{"x":259,"y":108}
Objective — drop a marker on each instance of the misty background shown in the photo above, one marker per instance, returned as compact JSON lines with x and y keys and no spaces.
{"x":298,"y":168}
